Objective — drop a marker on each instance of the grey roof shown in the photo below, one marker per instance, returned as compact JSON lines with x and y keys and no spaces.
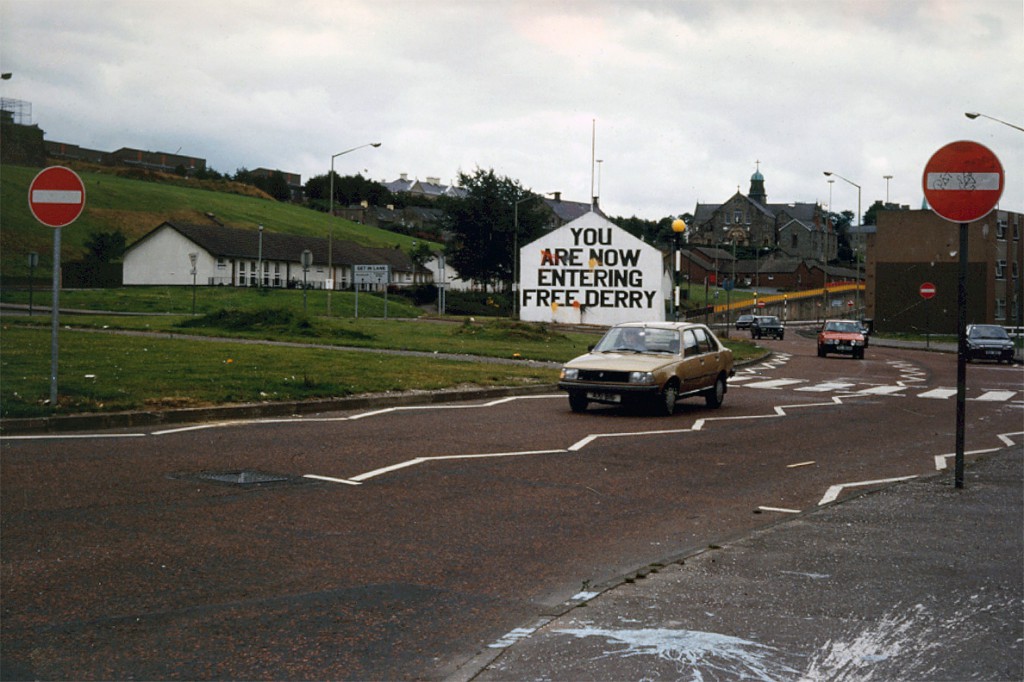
{"x":567,"y":211}
{"x":234,"y":242}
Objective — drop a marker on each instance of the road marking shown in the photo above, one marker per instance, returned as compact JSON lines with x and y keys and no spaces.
{"x":800,"y":464}
{"x":775,"y":383}
{"x":881,"y":390}
{"x":941,"y":460}
{"x":938,"y":393}
{"x":827,"y":386}
{"x":331,"y":480}
{"x":834,"y":491}
{"x":995,"y":396}
{"x":780,"y":510}
{"x":52,"y":436}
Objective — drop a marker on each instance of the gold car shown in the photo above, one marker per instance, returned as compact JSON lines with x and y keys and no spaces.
{"x":656,"y":363}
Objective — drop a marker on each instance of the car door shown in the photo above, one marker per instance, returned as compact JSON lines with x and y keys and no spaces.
{"x":691,"y":367}
{"x":708,"y":360}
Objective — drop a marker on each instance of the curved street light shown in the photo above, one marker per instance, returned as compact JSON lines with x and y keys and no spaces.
{"x":973,"y":115}
{"x":859,"y":224}
{"x":330,"y":216}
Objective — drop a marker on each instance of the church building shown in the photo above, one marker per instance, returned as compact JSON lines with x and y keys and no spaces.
{"x":796,"y":230}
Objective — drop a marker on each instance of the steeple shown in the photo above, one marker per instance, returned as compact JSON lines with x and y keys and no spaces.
{"x":757,"y":192}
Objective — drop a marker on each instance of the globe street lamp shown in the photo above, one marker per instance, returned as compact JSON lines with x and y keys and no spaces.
{"x":330,"y":215}
{"x":974,"y":114}
{"x":859,"y":225}
{"x":678,"y":227}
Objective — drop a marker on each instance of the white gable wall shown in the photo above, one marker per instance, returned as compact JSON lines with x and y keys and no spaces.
{"x":162,"y":258}
{"x":593,"y":272}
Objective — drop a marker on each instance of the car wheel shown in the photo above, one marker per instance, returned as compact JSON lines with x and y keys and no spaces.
{"x":578,"y":402}
{"x":667,"y":399}
{"x":822,"y":352}
{"x":781,"y":336}
{"x":716,"y":394}
{"x":858,"y":354}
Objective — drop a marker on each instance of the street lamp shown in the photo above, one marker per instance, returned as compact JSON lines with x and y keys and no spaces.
{"x":330,"y":216}
{"x":678,"y":227}
{"x":974,"y":114}
{"x":859,"y":225}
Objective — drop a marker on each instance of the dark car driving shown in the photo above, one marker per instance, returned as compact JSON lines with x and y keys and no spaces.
{"x":989,"y":342}
{"x":766,"y":325}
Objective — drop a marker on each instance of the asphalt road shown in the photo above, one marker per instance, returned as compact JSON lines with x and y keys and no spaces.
{"x":400,"y":542}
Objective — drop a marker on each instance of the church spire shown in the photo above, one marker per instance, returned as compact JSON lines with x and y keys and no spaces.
{"x":757,"y":192}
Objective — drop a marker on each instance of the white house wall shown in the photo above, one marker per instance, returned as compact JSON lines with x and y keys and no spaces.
{"x":591,"y":271}
{"x":163,"y":259}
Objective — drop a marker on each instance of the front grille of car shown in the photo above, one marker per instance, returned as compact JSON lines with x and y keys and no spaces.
{"x":604,"y":375}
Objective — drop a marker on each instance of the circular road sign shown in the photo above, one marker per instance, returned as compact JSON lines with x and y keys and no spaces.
{"x":927,"y":290}
{"x":56,"y":196}
{"x":963,"y":181}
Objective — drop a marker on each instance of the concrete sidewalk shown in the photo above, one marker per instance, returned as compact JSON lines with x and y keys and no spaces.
{"x":916,"y":581}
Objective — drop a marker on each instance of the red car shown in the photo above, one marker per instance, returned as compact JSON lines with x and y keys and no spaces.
{"x":842,"y":336}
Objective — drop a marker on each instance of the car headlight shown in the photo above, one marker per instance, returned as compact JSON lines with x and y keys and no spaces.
{"x":570,"y":374}
{"x":641,"y":378}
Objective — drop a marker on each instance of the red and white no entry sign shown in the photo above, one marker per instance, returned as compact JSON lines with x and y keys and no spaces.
{"x":927,"y":290}
{"x":56,"y":196}
{"x":963,"y":181}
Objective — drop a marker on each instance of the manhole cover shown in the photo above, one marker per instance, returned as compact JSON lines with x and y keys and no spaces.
{"x":247,"y":477}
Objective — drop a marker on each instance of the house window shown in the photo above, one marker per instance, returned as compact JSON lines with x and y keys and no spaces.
{"x":221,"y":264}
{"x":1000,"y":308}
{"x":1001,"y":230}
{"x":737,"y":217}
{"x":794,"y":240}
{"x":1000,"y":269}
{"x":1016,"y":270}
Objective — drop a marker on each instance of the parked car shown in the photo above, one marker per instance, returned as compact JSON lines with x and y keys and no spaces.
{"x":766,"y":325}
{"x":744,"y":321}
{"x":653,"y":363}
{"x":989,"y":342}
{"x":842,"y":336}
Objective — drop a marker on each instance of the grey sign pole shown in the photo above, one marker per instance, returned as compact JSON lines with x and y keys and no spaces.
{"x":54,"y":318}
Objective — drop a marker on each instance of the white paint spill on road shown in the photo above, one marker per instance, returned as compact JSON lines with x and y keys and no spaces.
{"x":695,"y":652}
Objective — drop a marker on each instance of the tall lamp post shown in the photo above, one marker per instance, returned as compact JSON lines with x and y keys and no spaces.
{"x":974,"y":114}
{"x":259,"y":261}
{"x":330,"y":216}
{"x":678,"y":228}
{"x":1020,"y":293}
{"x":859,"y":225}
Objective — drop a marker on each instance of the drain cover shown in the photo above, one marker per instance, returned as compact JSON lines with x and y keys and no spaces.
{"x":247,"y":477}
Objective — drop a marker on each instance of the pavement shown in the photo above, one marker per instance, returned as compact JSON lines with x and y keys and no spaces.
{"x":913,"y":581}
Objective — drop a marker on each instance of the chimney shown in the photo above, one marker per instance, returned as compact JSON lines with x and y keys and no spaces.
{"x":403,"y":176}
{"x":558,"y":197}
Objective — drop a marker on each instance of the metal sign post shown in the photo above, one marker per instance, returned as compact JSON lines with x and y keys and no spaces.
{"x":56,"y":198}
{"x":372,"y":274}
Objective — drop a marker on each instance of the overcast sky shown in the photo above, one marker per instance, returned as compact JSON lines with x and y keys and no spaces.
{"x":687,"y":95}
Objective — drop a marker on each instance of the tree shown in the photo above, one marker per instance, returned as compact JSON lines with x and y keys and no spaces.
{"x":105,"y":247}
{"x":348,"y":189}
{"x":483,"y":226}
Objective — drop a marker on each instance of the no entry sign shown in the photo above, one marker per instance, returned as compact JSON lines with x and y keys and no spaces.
{"x":56,"y":196}
{"x":963,"y":181}
{"x":927,"y":290}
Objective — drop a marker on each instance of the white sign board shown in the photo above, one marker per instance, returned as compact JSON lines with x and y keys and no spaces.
{"x":593,"y":272}
{"x":371,"y":274}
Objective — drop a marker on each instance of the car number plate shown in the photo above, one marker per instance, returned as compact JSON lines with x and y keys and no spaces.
{"x":992,"y":352}
{"x":605,"y":397}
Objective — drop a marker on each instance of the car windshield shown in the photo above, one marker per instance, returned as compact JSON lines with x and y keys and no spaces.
{"x":843,"y":327}
{"x":767,"y":319}
{"x":988,"y":332}
{"x":639,"y":340}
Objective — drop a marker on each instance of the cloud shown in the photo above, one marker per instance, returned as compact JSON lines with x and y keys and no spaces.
{"x":686,"y":96}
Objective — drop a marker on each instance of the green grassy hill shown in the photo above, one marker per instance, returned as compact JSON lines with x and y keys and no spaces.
{"x":136,"y":206}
